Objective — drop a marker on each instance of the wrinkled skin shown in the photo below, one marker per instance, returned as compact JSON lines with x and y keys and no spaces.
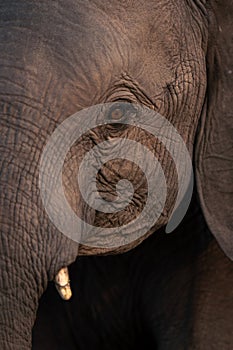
{"x":57,"y":59}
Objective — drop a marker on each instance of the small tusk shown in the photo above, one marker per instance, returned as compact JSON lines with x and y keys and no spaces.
{"x":62,"y":283}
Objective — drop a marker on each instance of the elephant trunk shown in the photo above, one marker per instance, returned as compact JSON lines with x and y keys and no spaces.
{"x":16,"y":321}
{"x":19,"y":290}
{"x":18,"y":311}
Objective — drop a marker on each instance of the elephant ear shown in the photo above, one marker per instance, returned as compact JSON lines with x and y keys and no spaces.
{"x":214,"y":148}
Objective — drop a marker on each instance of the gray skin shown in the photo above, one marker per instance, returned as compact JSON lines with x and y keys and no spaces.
{"x":59,"y":57}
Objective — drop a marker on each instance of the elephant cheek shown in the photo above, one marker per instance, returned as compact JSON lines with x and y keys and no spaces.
{"x":107,"y":180}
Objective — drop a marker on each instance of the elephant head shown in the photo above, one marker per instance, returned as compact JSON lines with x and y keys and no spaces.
{"x":60,"y":58}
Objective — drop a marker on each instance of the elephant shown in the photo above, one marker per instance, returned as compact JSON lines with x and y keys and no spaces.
{"x":173,"y":58}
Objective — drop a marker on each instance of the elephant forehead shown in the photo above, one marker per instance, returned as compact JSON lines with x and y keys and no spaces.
{"x":90,"y":44}
{"x":67,"y":57}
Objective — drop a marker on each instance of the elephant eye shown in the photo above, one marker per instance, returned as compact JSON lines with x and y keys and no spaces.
{"x":119,"y":112}
{"x":116,"y":114}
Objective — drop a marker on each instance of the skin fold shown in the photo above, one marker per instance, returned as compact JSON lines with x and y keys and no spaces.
{"x":58,"y":58}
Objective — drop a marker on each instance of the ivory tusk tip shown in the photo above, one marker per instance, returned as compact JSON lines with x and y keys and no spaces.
{"x":62,"y":284}
{"x":64,"y":292}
